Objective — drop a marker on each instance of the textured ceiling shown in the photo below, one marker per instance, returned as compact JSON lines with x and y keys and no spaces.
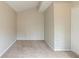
{"x":22,"y":5}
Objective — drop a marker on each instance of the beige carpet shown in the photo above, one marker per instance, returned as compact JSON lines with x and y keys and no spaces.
{"x":35,"y":49}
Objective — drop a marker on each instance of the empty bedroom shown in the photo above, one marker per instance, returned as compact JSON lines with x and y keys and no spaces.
{"x":39,"y":29}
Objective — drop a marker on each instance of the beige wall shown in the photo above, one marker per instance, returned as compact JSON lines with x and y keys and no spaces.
{"x":49,"y":26}
{"x":7,"y":27}
{"x":62,"y":25}
{"x":30,"y":25}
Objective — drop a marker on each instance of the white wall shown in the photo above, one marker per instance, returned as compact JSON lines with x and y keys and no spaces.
{"x":49,"y":26}
{"x":62,"y":27}
{"x":30,"y":25}
{"x":75,"y":28}
{"x":58,"y":26}
{"x":7,"y":27}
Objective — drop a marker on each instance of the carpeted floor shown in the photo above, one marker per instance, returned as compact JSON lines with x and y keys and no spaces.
{"x":35,"y":49}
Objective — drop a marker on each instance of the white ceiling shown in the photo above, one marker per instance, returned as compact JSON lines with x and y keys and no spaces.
{"x":22,"y":5}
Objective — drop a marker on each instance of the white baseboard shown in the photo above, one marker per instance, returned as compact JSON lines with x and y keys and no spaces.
{"x":29,"y":38}
{"x":7,"y":48}
{"x":62,"y":49}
